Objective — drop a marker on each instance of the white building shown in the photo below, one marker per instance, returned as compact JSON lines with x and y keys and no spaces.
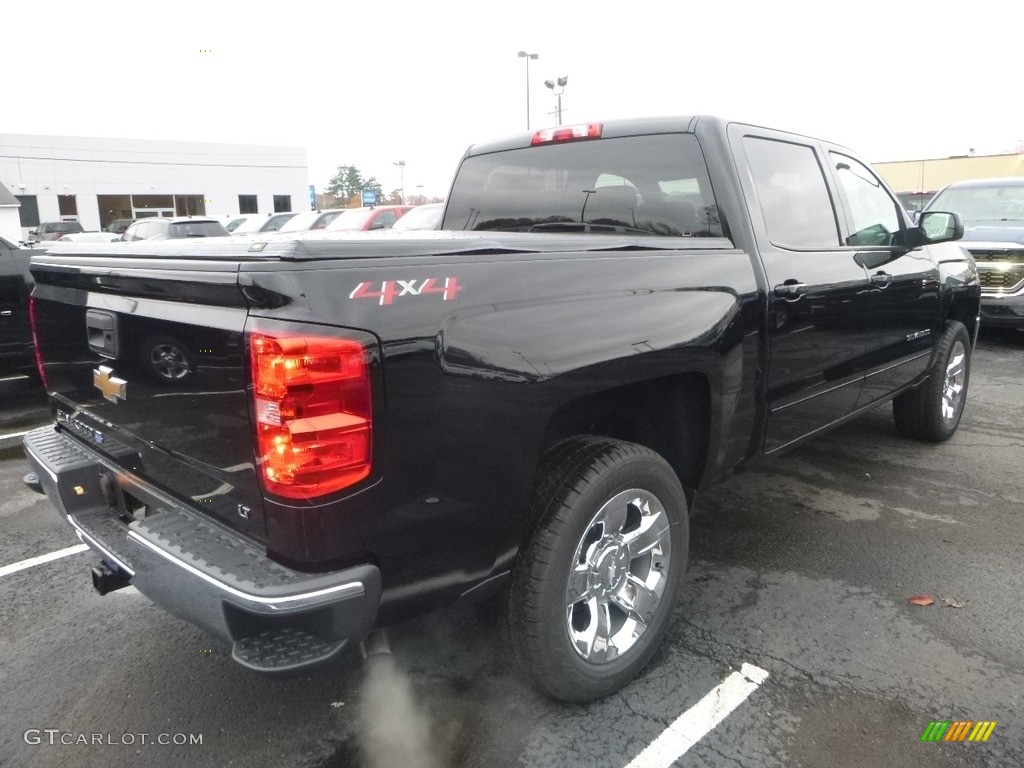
{"x":98,"y":180}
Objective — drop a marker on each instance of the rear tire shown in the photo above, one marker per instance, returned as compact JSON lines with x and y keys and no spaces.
{"x":594,"y":587}
{"x":933,"y":410}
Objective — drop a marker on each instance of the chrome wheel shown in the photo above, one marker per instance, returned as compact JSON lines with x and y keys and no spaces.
{"x":594,"y":587}
{"x":953,"y":385}
{"x":932,"y":411}
{"x":618,"y":576}
{"x":169,"y":361}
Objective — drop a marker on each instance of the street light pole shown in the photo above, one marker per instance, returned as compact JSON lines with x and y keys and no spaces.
{"x":401,"y":171}
{"x":528,"y":56}
{"x":561,"y":89}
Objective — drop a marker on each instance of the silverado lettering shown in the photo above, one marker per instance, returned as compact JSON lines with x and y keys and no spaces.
{"x":655,"y":304}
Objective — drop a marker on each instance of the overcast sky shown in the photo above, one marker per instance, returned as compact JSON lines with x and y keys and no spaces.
{"x":369,"y":84}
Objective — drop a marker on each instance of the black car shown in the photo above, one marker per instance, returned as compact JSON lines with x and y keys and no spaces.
{"x":993,"y":214}
{"x":170,"y":229}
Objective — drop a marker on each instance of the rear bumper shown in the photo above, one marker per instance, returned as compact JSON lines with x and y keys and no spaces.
{"x":275,"y":618}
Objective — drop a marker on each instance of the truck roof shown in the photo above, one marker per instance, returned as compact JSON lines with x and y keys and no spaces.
{"x":610,"y":129}
{"x":630,"y":127}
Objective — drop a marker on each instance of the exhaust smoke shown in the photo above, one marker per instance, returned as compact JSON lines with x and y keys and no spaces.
{"x":395,"y":729}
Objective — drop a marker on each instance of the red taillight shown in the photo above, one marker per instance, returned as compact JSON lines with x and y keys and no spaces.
{"x":567,"y":133}
{"x":35,"y":342}
{"x":313,"y":413}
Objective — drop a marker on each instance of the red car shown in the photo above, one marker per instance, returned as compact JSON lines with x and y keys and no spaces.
{"x":363,"y":219}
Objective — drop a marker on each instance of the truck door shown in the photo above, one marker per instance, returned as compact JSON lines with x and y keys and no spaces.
{"x":904,"y":296}
{"x":817,"y":289}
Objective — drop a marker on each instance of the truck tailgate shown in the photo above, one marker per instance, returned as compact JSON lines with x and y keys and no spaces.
{"x":145,"y":362}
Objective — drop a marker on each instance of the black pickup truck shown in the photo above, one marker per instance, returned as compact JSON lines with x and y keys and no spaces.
{"x":17,"y":352}
{"x":523,"y":405}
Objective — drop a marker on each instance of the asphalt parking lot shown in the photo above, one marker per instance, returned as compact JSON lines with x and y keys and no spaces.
{"x":802,"y":567}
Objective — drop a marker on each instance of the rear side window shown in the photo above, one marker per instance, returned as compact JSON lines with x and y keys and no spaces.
{"x":795,"y":201}
{"x":274,"y":223}
{"x":653,"y":185}
{"x":386,"y":220}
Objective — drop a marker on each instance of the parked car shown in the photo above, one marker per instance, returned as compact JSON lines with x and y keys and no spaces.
{"x":257,"y":223}
{"x":53,"y":230}
{"x":118,"y":226}
{"x":367,"y":219}
{"x":89,"y":237}
{"x":170,"y":229}
{"x":312,"y":220}
{"x":426,"y":216}
{"x":993,"y":214}
{"x":230,"y":220}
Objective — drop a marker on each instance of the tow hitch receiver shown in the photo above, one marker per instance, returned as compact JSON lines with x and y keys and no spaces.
{"x":106,"y":579}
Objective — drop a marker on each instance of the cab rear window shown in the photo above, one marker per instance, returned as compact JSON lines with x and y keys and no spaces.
{"x":197,"y":229}
{"x":64,"y":227}
{"x":649,"y":185}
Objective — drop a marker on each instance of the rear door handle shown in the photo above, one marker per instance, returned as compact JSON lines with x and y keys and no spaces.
{"x":881,"y":279}
{"x":791,"y":289}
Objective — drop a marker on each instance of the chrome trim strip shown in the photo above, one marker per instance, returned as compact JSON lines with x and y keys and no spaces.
{"x":858,"y":380}
{"x":904,"y":361}
{"x":90,"y":542}
{"x":1016,"y":290}
{"x":350,"y":589}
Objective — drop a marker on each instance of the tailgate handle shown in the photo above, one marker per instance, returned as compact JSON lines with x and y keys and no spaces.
{"x":101,"y":328}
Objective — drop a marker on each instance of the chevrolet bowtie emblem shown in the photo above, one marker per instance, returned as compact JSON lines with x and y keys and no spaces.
{"x":113,"y":388}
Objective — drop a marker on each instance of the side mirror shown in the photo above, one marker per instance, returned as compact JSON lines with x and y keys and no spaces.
{"x":940,"y":226}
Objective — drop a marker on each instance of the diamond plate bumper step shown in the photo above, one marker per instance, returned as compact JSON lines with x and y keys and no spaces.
{"x":282,"y":650}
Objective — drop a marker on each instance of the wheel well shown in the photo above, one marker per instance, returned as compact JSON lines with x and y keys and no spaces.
{"x":669,"y":415}
{"x":966,"y":314}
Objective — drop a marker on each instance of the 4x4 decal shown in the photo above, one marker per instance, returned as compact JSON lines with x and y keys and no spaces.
{"x":447,"y":287}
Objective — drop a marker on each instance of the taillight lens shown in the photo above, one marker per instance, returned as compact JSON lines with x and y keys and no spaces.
{"x":313,"y":413}
{"x":40,"y":368}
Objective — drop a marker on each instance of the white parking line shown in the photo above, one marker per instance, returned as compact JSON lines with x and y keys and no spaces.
{"x":695,"y":723}
{"x":7,"y":570}
{"x":11,"y":435}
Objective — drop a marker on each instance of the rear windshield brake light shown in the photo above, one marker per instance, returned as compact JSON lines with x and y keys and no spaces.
{"x":567,"y":133}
